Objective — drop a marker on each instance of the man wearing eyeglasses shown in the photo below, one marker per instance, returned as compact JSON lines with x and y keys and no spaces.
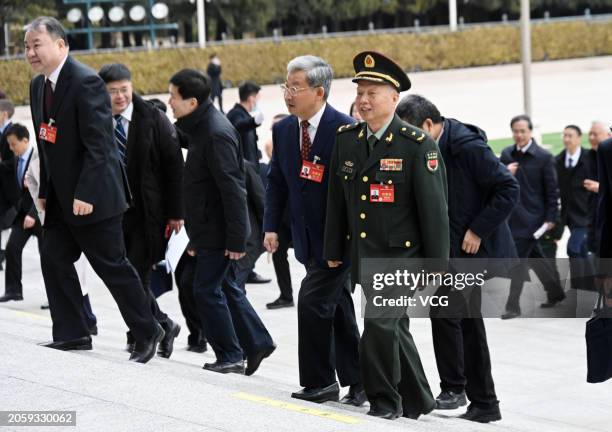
{"x":149,"y":150}
{"x":328,"y":337}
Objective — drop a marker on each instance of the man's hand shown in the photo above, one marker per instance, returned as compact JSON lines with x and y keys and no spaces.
{"x":175,"y":224}
{"x":42,"y":202}
{"x":28,"y":222}
{"x":550,"y":225}
{"x":334,"y":264}
{"x":512,"y":167}
{"x":234,"y":255}
{"x":591,"y":185}
{"x":81,"y":208}
{"x":471,"y":242}
{"x":191,"y":252}
{"x":271,"y":242}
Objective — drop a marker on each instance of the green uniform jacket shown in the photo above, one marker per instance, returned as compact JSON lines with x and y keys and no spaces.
{"x":415,"y":225}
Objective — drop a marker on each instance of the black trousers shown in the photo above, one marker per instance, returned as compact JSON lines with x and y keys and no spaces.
{"x":138,"y":254}
{"x":460,"y":347}
{"x":14,"y":251}
{"x":184,"y":276}
{"x":328,"y":336}
{"x":103,"y":245}
{"x":543,"y":267}
{"x":281,"y":262}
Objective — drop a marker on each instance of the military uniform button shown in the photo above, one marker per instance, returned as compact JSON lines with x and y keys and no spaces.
{"x":345,"y":177}
{"x":363,"y":235}
{"x":362,"y":216}
{"x":365,"y":179}
{"x":363,"y":197}
{"x":348,"y":236}
{"x":407,"y":244}
{"x":390,"y":182}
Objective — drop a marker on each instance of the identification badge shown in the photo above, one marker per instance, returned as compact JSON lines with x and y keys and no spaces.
{"x":47,"y":132}
{"x":382,"y":193}
{"x":391,"y":164}
{"x":312,"y":171}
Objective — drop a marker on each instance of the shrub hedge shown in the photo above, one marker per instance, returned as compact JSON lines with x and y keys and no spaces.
{"x":265,"y":62}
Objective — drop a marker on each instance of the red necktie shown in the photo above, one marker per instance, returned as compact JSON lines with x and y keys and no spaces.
{"x":306,"y":144}
{"x":48,"y":104}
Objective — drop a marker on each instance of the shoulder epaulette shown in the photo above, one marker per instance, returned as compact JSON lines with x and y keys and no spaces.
{"x":348,"y":127}
{"x":415,"y":134}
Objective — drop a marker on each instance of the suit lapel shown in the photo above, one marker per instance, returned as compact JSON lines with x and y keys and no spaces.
{"x":37,"y":93}
{"x":61,"y":87}
{"x":132,"y":142}
{"x":324,"y":131}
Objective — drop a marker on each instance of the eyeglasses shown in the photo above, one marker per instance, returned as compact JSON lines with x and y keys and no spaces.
{"x":292,"y":90}
{"x":114,"y":92}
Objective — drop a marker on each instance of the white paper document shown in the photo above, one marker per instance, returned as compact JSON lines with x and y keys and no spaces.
{"x":176,"y":247}
{"x":540,"y":232}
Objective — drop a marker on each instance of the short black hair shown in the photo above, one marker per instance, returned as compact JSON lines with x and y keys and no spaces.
{"x":192,"y":84}
{"x":522,"y":117}
{"x":576,"y":128}
{"x":415,"y":109}
{"x":8,"y":106}
{"x":115,"y":72}
{"x":51,"y":25}
{"x":19,"y":130}
{"x":159,"y":104}
{"x":248,"y":88}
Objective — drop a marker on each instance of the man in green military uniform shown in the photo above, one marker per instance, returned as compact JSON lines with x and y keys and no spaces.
{"x":387,"y":199}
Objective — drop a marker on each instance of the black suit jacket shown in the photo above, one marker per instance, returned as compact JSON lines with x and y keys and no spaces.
{"x":539,"y":191}
{"x":214,"y":181}
{"x":83,"y":163}
{"x":604,"y":211}
{"x":155,"y":173}
{"x":5,"y":150}
{"x":246,"y":127}
{"x":16,"y":195}
{"x":575,"y":198}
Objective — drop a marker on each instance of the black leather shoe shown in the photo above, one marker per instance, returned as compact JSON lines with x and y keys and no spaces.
{"x":552,"y":302}
{"x":449,"y":400}
{"x":319,"y":394}
{"x":253,"y":361}
{"x":387,"y":415}
{"x":93,"y":330}
{"x":145,"y":350}
{"x":255,"y":278}
{"x":200,"y":347}
{"x":10,"y":296}
{"x":482,"y":415}
{"x":509,"y":314}
{"x":356,"y":396}
{"x":80,"y":344}
{"x":225,"y":367}
{"x":166,"y":346}
{"x":280,"y":303}
{"x":129,"y":347}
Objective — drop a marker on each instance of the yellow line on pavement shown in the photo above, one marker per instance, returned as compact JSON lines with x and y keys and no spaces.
{"x":297,"y":408}
{"x":30,"y":314}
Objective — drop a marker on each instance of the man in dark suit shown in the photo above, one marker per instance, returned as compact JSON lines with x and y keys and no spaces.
{"x":26,"y":222}
{"x":217,"y":223}
{"x":149,"y":149}
{"x":481,"y":195}
{"x":604,"y":217}
{"x":246,"y":118}
{"x":328,"y":337}
{"x":82,"y":188}
{"x":598,"y":133}
{"x":574,"y":167}
{"x":216,"y":85}
{"x":534,"y":168}
{"x":7,"y":109}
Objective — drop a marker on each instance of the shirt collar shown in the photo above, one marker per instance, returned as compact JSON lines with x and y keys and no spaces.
{"x":524,"y":149}
{"x":26,"y":155}
{"x":55,"y":74}
{"x":315,"y":119}
{"x":573,"y":157}
{"x":381,"y":131}
{"x":127,"y":113}
{"x":4,"y":126}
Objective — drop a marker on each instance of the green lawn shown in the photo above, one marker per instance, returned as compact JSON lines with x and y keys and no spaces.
{"x":552,"y":142}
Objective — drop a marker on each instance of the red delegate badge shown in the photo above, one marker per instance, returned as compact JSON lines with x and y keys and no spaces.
{"x":47,"y":132}
{"x":382,"y":193}
{"x":312,"y":171}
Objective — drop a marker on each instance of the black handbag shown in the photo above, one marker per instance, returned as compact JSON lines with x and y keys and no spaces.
{"x":598,"y":336}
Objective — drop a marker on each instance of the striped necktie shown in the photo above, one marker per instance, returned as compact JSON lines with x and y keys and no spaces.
{"x":121,"y":139}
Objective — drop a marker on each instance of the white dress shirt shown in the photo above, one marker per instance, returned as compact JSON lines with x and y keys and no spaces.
{"x":574,"y":158}
{"x":313,"y":125}
{"x":55,"y":74}
{"x":126,"y":118}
